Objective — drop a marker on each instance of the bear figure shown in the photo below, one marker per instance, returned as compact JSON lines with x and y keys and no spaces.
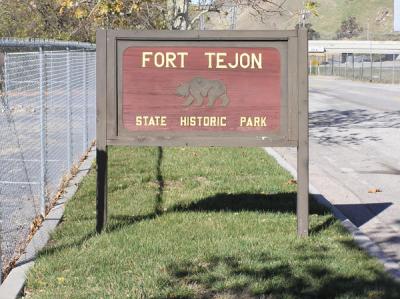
{"x":198,"y":88}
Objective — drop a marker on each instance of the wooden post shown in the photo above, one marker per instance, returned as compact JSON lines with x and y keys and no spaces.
{"x":101,"y":142}
{"x":302,"y":149}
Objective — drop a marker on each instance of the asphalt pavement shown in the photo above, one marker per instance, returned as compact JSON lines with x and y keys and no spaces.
{"x":355,"y":154}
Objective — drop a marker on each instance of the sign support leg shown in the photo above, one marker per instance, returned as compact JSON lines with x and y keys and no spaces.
{"x":101,"y":131}
{"x":101,"y":189}
{"x":302,"y":149}
{"x":302,"y":191}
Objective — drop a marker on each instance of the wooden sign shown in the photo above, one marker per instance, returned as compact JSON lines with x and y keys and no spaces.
{"x":208,"y":89}
{"x":200,"y":88}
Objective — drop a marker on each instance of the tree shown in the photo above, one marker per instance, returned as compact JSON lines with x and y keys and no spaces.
{"x":349,"y":28}
{"x":268,"y":8}
{"x":78,"y":19}
{"x":183,"y":16}
{"x":312,"y":33}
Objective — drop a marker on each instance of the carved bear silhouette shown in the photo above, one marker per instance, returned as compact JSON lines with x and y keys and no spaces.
{"x":198,"y":88}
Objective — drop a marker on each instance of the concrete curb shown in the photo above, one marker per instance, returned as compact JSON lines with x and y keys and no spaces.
{"x":361,"y":239}
{"x":13,"y":285}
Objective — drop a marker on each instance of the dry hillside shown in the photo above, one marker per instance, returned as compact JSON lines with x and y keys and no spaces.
{"x":374,"y":16}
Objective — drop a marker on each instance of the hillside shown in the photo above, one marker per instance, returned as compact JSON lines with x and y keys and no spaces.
{"x":375,"y":15}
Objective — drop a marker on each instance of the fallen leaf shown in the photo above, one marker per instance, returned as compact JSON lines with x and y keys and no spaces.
{"x":374,"y":190}
{"x":292,"y":182}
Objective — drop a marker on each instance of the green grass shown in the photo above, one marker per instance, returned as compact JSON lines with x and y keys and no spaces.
{"x":201,"y":223}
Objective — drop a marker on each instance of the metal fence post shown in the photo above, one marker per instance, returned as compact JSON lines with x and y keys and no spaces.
{"x":69,"y":112}
{"x":393,"y":67}
{"x":332,"y":67}
{"x":49,"y":81}
{"x":362,"y":67}
{"x":85,"y":106}
{"x":5,"y":99}
{"x":345,"y":66}
{"x":42,"y":96}
{"x":371,"y":63}
{"x":380,"y":68}
{"x":353,"y":63}
{"x":326,"y":65}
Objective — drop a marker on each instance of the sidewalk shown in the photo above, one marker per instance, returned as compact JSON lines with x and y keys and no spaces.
{"x":372,"y":218}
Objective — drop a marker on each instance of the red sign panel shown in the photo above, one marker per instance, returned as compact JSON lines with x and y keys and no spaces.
{"x":201,"y":89}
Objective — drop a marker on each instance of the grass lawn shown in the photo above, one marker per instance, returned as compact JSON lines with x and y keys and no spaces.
{"x":201,"y":223}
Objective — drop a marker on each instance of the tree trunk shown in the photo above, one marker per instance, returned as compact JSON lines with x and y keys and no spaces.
{"x":178,"y":16}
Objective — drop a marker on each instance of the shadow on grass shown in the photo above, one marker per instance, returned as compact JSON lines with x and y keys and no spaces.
{"x":268,"y":275}
{"x":223,"y":202}
{"x":278,"y":202}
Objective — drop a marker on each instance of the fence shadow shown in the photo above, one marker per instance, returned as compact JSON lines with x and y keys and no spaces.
{"x":160,"y":180}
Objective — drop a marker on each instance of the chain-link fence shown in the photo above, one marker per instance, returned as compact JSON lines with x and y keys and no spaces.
{"x":47,"y":120}
{"x":384,"y":68}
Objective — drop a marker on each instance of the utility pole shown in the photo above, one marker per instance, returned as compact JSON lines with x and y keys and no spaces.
{"x":396,"y":15}
{"x":370,"y":50}
{"x":178,"y":14}
{"x":202,"y":22}
{"x":233,"y":17}
{"x":304,"y":16}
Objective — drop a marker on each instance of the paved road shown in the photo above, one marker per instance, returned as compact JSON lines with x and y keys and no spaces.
{"x":355,"y":147}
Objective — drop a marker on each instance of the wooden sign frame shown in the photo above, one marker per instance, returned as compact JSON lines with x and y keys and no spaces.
{"x":293,"y":129}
